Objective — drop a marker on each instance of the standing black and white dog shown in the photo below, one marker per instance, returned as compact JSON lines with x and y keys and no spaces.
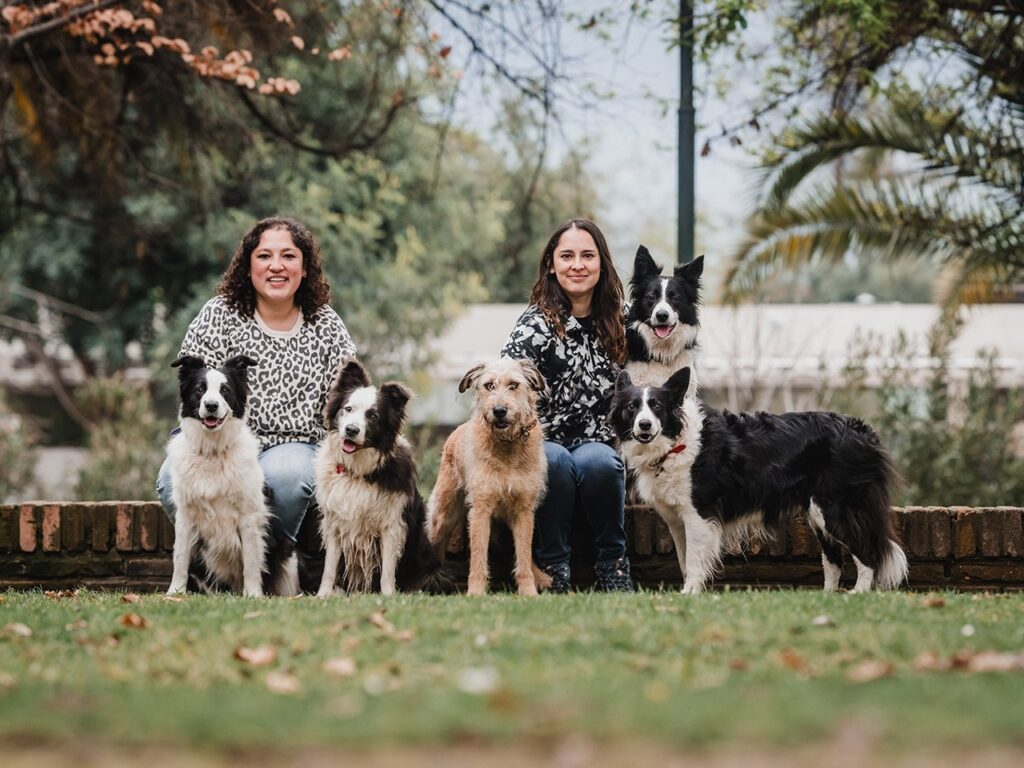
{"x":713,"y":475}
{"x":217,"y":486}
{"x":373,"y":514}
{"x":662,"y":324}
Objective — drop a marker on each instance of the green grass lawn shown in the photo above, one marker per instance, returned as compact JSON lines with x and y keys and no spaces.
{"x":720,"y":669}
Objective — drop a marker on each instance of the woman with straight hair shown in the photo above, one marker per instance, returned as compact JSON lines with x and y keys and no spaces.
{"x":574,"y":332}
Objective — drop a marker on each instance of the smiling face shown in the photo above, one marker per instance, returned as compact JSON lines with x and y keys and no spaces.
{"x":576,"y":266}
{"x":276,"y":269}
{"x":506,"y":392}
{"x":362,"y":415}
{"x":212,"y":395}
{"x":644,"y":413}
{"x":665,"y":304}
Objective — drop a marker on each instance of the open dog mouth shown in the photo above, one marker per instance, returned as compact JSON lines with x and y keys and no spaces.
{"x":662,"y":331}
{"x":500,"y":425}
{"x":212,"y":422}
{"x":643,"y":437}
{"x":349,"y":447}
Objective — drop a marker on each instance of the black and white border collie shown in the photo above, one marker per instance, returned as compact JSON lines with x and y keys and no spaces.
{"x":714,"y":475}
{"x":373,"y":514}
{"x":662,"y":324}
{"x":218,"y":489}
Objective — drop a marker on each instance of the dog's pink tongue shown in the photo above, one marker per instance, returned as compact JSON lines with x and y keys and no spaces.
{"x":211,"y":422}
{"x":661,"y":331}
{"x":348,"y":446}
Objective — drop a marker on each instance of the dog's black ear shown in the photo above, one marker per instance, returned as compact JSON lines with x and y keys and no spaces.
{"x":241,"y":362}
{"x":396,"y":394}
{"x":533,"y":376}
{"x":469,"y":380}
{"x":692,"y":271}
{"x":643,"y":264}
{"x":622,"y":381}
{"x":678,"y":383}
{"x":188,"y":363}
{"x":351,"y":375}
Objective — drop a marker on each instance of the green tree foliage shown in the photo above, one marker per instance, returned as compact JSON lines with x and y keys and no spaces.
{"x":126,"y":445}
{"x":954,"y":440}
{"x":17,"y":457}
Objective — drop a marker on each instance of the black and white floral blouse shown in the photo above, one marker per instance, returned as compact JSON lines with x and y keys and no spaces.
{"x":288,"y":389}
{"x":580,"y":376}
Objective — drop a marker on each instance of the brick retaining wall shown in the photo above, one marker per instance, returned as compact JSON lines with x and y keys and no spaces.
{"x":127,"y":545}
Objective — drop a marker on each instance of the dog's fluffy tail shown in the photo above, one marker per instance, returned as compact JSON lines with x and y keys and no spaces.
{"x":893,"y":569}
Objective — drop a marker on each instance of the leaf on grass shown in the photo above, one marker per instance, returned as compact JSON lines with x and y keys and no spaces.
{"x":131,"y":597}
{"x":377,"y":619}
{"x":866,"y":671}
{"x":61,"y":594}
{"x":7,"y":680}
{"x":18,"y":629}
{"x":995,"y":661}
{"x":76,"y":625}
{"x":477,"y":681}
{"x":929,"y":661}
{"x":134,"y":621}
{"x":967,"y":630}
{"x":404,"y":635}
{"x":257,"y":657}
{"x":822,"y":621}
{"x":283,"y":682}
{"x":340,"y":666}
{"x":933,"y":601}
{"x":172,"y":599}
{"x":253,"y":615}
{"x":738,"y":665}
{"x":792,"y":660}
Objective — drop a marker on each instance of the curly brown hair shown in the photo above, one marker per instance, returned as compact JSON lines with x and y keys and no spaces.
{"x":236,"y":286}
{"x":606,"y":304}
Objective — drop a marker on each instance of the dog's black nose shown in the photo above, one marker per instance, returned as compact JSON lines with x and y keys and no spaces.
{"x":210,"y":407}
{"x":351,"y":430}
{"x":661,"y":316}
{"x":499,"y":411}
{"x":644,"y":425}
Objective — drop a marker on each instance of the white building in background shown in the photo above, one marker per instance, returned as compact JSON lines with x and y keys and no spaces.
{"x":753,"y":356}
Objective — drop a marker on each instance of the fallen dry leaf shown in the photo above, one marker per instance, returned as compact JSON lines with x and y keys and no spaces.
{"x":738,"y":665}
{"x":995,"y":661}
{"x":253,"y":615}
{"x":131,"y":597}
{"x":792,"y":660}
{"x":340,"y":666}
{"x":477,"y":681}
{"x":967,"y":630}
{"x":933,"y":601}
{"x":822,"y":621}
{"x":282,"y":682}
{"x":18,"y":629}
{"x":929,"y":661}
{"x":7,"y":680}
{"x":76,"y":625}
{"x":257,"y":657}
{"x":866,"y":671}
{"x":61,"y":594}
{"x":172,"y":599}
{"x":134,"y":621}
{"x":377,"y":619}
{"x":404,"y":635}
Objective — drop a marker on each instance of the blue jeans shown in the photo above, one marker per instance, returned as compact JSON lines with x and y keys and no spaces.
{"x":593,"y":473}
{"x":288,"y":471}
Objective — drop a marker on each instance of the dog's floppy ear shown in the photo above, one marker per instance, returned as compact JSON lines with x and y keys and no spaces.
{"x":622,"y":381}
{"x":188,"y":363}
{"x":643,"y":264}
{"x":351,"y":375}
{"x":241,"y":362}
{"x":691,"y":272}
{"x":533,"y":376}
{"x":469,"y":380}
{"x":678,"y":383}
{"x":397,"y":394}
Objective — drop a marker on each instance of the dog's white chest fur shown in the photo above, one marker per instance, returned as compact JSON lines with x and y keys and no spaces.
{"x":667,"y":356}
{"x":663,"y":479}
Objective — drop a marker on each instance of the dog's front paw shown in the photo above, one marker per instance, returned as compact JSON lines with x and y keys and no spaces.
{"x":177,"y":589}
{"x":476,"y":590}
{"x":692,"y":589}
{"x":252,"y":592}
{"x":528,"y":590}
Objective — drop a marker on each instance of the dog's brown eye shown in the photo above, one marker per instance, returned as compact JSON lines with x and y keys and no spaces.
{"x":371,"y":416}
{"x":513,"y":385}
{"x":489,"y":386}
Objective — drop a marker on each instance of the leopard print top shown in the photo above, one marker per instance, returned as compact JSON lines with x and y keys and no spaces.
{"x":580,"y":376}
{"x":288,"y":388}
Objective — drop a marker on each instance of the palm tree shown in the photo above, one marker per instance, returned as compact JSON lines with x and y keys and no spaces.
{"x":937,"y":175}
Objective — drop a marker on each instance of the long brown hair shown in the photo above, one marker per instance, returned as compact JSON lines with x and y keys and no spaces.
{"x":606,"y":304}
{"x":236,"y":286}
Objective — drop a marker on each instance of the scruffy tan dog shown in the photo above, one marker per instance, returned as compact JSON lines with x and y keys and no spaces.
{"x":494,"y":466}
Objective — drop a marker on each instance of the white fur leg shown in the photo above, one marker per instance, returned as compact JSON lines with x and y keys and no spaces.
{"x":678,"y":533}
{"x":330,"y":577}
{"x":184,"y":540}
{"x":832,"y":573}
{"x":391,"y":544}
{"x":865,"y":577}
{"x":254,"y":557}
{"x":703,"y":552}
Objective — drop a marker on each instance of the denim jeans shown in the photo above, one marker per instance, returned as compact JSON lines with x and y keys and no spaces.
{"x":288,"y":471}
{"x":594,"y":474}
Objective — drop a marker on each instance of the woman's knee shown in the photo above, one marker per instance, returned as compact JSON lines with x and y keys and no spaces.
{"x":560,"y":463}
{"x":598,"y":463}
{"x":163,"y":489}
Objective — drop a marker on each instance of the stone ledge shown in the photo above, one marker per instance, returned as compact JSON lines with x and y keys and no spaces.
{"x":128,"y":544}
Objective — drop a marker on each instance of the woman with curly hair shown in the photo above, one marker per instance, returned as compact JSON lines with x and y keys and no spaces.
{"x":574,"y":331}
{"x":272,"y":305}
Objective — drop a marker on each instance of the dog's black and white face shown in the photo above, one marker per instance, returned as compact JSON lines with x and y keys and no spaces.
{"x":213,"y":395}
{"x":666,"y":305}
{"x":365,"y":416}
{"x":645,"y":413}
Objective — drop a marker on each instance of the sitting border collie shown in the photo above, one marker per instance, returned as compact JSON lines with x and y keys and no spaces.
{"x":713,"y":474}
{"x":218,"y":489}
{"x":373,"y":513}
{"x":662,"y":325}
